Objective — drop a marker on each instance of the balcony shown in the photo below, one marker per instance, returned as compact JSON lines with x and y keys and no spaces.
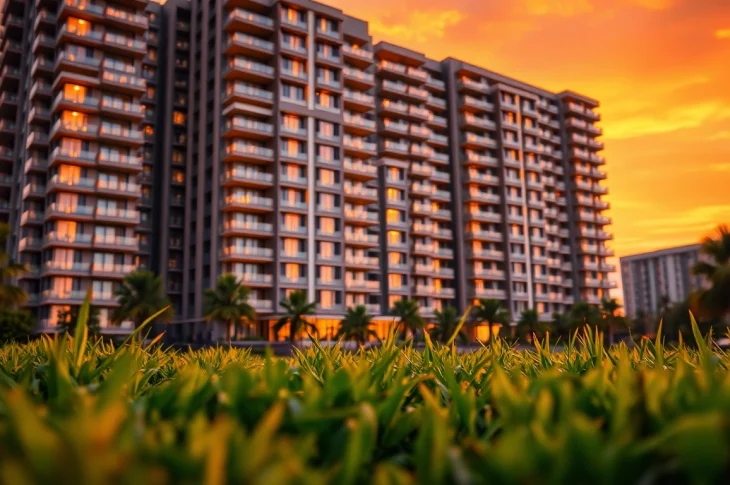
{"x":362,"y":261}
{"x":358,"y":78}
{"x":235,"y":227}
{"x":66,"y":211}
{"x":118,"y":161}
{"x":119,"y":188}
{"x":250,"y":202}
{"x":124,"y":82}
{"x":360,"y":217}
{"x":241,"y":126}
{"x":476,"y":104}
{"x":29,"y":244}
{"x":239,"y":151}
{"x":357,"y":100}
{"x":242,"y":92}
{"x":247,"y":253}
{"x":357,"y":284}
{"x":67,"y":268}
{"x":69,"y":184}
{"x":79,"y":240}
{"x":243,"y":20}
{"x":247,"y":177}
{"x":240,"y":43}
{"x":357,"y":53}
{"x":359,"y":124}
{"x":243,"y":68}
{"x":85,"y":65}
{"x":118,"y":134}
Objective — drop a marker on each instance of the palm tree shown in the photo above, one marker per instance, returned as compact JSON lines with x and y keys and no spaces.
{"x":584,"y":313}
{"x":297,"y":307}
{"x":409,"y":315}
{"x":446,"y":322}
{"x":140,"y":296}
{"x":11,"y":296}
{"x":529,"y":324}
{"x":356,"y":326}
{"x":491,"y":313}
{"x":715,"y":268}
{"x":228,"y":302}
{"x":609,"y":314}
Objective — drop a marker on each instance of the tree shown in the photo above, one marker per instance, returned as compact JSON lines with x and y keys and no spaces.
{"x":15,"y":325}
{"x":560,"y":323}
{"x":491,"y":313}
{"x":409,"y":315}
{"x":296,"y":307}
{"x":68,"y":317}
{"x":11,"y":295}
{"x":530,"y":325}
{"x":584,"y":313}
{"x":642,"y":322}
{"x":447,"y":320}
{"x":140,"y":296}
{"x":228,"y":302}
{"x":714,"y":301}
{"x":356,"y":326}
{"x":610,"y":316}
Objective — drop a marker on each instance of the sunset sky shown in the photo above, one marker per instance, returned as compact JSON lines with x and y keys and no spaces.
{"x":661,"y":69}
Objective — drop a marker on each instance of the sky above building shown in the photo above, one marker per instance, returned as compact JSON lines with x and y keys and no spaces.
{"x":661,"y":69}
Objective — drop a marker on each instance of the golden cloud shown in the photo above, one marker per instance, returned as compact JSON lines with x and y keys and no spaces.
{"x":418,"y":26}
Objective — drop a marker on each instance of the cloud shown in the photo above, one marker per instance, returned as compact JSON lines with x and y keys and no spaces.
{"x":655,"y":4}
{"x":722,"y":33}
{"x":561,"y":8}
{"x":676,"y":118}
{"x":720,"y":167}
{"x":695,"y":219}
{"x":418,"y":25}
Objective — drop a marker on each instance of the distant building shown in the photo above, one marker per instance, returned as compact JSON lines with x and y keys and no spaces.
{"x":650,"y":276}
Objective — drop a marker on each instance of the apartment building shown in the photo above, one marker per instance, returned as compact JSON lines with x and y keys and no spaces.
{"x":652,"y":279}
{"x":274,"y":141}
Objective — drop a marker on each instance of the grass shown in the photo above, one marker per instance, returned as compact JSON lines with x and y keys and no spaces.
{"x":73,"y":411}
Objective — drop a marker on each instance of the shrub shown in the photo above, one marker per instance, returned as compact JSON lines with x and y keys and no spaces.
{"x":15,"y":325}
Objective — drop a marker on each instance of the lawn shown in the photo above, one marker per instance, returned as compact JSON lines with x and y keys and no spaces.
{"x":88,"y":413}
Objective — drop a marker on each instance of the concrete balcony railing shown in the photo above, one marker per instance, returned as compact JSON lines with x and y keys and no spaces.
{"x":242,"y":15}
{"x":247,"y":251}
{"x":362,"y":260}
{"x":357,"y":52}
{"x":251,"y":41}
{"x":239,"y":225}
{"x":361,"y":284}
{"x":115,"y":269}
{"x":126,"y":215}
{"x":66,"y":266}
{"x":353,"y":236}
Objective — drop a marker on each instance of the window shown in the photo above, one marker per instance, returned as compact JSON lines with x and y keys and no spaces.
{"x":293,"y":16}
{"x":327,"y":130}
{"x":328,"y":153}
{"x":327,"y":100}
{"x":293,"y":93}
{"x":178,"y":118}
{"x":293,"y":123}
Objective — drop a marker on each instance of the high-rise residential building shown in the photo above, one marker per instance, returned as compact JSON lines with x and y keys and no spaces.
{"x":274,"y":141}
{"x":651,"y":280}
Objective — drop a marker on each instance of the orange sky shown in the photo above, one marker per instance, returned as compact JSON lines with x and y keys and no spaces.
{"x":661,"y":69}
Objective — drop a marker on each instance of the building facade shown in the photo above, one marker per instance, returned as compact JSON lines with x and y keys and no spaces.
{"x":272,"y":140}
{"x":651,"y":280}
